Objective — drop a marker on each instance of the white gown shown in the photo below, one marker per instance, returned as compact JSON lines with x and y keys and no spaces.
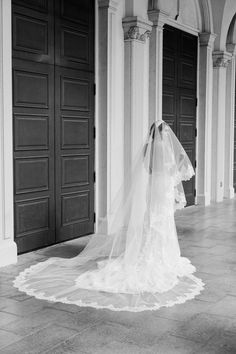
{"x":133,"y":263}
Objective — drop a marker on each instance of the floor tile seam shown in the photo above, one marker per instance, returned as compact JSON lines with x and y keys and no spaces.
{"x":12,"y":342}
{"x":21,"y":301}
{"x":143,"y":346}
{"x":167,"y":318}
{"x":187,"y":339}
{"x":25,"y":336}
{"x":69,"y":338}
{"x":58,"y":344}
{"x":27,"y":297}
{"x":8,"y":331}
{"x":11,"y":332}
{"x":10,"y":313}
{"x":207,"y":342}
{"x":40,"y":329}
{"x":230,"y":294}
{"x":212,"y":302}
{"x":222,"y":316}
{"x":229,"y":317}
{"x":193,"y":341}
{"x":22,"y":315}
{"x":35,"y":330}
{"x":74,"y":327}
{"x":171,"y":319}
{"x":68,"y":312}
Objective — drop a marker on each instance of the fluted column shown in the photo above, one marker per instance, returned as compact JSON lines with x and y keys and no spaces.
{"x":229,"y":125}
{"x":158,"y":20}
{"x":204,"y":128}
{"x":220,"y":63}
{"x":105,"y":103}
{"x":8,"y":250}
{"x":136,"y":64}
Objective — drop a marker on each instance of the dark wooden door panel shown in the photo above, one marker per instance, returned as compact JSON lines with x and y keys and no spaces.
{"x":53,"y":120}
{"x":75,"y":153}
{"x":179,"y":92}
{"x":33,"y":126}
{"x":169,"y":102}
{"x":37,"y":5}
{"x":74,"y":34}
{"x":33,"y":31}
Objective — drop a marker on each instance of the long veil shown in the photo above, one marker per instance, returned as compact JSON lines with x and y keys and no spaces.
{"x":133,"y":262}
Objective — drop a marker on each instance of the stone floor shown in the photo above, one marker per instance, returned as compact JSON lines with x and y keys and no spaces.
{"x":205,"y":325}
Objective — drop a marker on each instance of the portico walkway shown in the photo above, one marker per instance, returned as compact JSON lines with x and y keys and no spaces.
{"x":204,"y":325}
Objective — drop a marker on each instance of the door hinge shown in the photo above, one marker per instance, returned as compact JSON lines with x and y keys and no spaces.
{"x":94,"y":89}
{"x":94,"y":217}
{"x":195,"y":163}
{"x":194,"y":193}
{"x":195,"y":132}
{"x":94,"y":176}
{"x":94,"y":132}
{"x":196,"y":102}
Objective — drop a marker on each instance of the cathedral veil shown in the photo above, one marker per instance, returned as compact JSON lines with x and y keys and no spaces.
{"x":133,"y":262}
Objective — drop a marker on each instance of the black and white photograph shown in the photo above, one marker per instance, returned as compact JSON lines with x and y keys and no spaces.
{"x":117,"y":177}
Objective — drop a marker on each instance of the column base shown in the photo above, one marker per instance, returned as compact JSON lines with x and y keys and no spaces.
{"x":229,"y":193}
{"x":203,"y":199}
{"x":8,"y":252}
{"x":217,"y":199}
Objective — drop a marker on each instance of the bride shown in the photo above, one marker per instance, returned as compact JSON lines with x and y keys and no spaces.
{"x":133,"y":262}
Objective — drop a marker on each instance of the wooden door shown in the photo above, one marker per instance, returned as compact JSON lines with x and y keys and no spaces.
{"x":74,"y":118}
{"x":53,"y":119}
{"x":179,"y":92}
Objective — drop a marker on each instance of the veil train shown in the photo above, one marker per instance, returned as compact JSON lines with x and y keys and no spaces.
{"x":136,"y":265}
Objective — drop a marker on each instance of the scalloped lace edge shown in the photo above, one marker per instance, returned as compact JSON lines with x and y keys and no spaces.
{"x":21,"y":278}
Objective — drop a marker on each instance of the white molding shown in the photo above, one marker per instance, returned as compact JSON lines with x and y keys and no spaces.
{"x":105,"y":105}
{"x":203,"y":199}
{"x":8,"y":251}
{"x":229,"y":128}
{"x":158,"y":18}
{"x":221,"y":61}
{"x":183,"y":27}
{"x":136,"y":87}
{"x":204,"y":118}
{"x":207,"y":39}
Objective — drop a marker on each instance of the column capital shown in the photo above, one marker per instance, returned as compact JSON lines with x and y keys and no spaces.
{"x":221,"y":59}
{"x":136,"y":28}
{"x":108,"y":4}
{"x":157,"y":17}
{"x":207,"y":39}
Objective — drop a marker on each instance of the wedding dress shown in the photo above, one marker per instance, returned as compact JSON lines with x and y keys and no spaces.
{"x":133,"y":262}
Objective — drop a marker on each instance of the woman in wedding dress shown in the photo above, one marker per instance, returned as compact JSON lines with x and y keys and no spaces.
{"x":133,"y":262}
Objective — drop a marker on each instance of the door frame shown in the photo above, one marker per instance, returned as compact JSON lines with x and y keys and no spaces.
{"x":185,"y":29}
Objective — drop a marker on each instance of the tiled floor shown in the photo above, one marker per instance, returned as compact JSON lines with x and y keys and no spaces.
{"x":205,"y":325}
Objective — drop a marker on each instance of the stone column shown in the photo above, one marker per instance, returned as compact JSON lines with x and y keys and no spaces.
{"x":105,"y":98}
{"x":229,"y":124}
{"x":220,"y":63}
{"x":8,"y":249}
{"x":136,"y":117}
{"x":204,"y":124}
{"x":158,"y":19}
